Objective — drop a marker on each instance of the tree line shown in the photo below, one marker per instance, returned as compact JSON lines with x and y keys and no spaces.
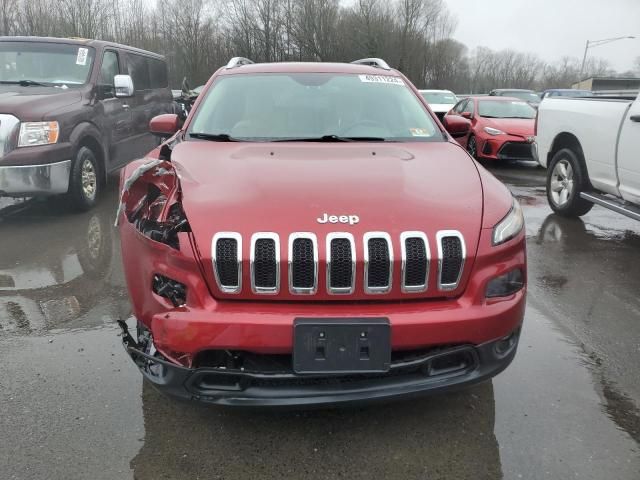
{"x":199,"y":36}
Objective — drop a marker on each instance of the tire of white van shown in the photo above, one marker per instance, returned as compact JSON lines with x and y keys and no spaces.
{"x":84,"y":182}
{"x":566,"y":179}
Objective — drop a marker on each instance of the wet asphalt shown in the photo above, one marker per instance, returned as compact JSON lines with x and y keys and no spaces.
{"x":73,"y":406}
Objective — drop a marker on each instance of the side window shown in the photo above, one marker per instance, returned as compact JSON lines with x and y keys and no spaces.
{"x":138,"y":66}
{"x":108,"y":70}
{"x":469,"y":107}
{"x":158,"y":73}
{"x":458,"y":108}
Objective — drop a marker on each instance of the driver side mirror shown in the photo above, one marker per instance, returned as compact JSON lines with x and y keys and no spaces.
{"x":164,"y":125}
{"x":456,"y":126}
{"x":467,"y":115}
{"x":123,"y":86}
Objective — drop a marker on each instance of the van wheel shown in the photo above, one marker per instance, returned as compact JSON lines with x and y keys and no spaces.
{"x":84,"y":182}
{"x":566,"y":179}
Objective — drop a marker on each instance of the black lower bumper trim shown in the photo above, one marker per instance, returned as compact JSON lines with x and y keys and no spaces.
{"x":445,"y":369}
{"x":516,"y":151}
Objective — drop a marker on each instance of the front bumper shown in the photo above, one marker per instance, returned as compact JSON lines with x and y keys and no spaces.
{"x":28,"y":180}
{"x":439,"y":370}
{"x":505,"y":147}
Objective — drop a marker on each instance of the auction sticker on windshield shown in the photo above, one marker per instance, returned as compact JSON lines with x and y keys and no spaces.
{"x":387,"y":79}
{"x":420,"y":132}
{"x":81,"y":59}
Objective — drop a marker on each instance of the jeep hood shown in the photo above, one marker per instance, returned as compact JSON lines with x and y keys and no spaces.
{"x":286,"y":187}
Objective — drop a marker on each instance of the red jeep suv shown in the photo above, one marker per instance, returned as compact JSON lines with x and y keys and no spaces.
{"x":312,"y":235}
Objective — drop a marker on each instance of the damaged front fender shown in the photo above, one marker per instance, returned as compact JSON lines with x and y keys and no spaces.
{"x":150,"y":200}
{"x":159,"y":254}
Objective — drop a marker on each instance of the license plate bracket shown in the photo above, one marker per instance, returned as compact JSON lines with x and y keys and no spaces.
{"x":341,"y":345}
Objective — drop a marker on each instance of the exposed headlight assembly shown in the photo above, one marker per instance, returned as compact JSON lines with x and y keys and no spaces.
{"x":38,"y":133}
{"x":509,"y":226}
{"x":493,"y":131}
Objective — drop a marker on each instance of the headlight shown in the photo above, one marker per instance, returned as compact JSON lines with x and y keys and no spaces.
{"x":493,"y":131}
{"x":38,"y":133}
{"x":509,"y":226}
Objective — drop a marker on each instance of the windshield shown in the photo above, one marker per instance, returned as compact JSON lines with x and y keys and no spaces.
{"x":440,"y":98}
{"x":269,"y":107}
{"x":526,"y":96}
{"x":505,"y":109}
{"x":55,"y":64}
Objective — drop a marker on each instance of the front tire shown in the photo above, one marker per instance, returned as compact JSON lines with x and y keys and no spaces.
{"x":566,"y":179}
{"x":84,"y":181}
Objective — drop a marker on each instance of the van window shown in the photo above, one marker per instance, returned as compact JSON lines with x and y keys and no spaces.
{"x":158,"y":73}
{"x":108,"y":70}
{"x":139,"y":71}
{"x":56,"y":64}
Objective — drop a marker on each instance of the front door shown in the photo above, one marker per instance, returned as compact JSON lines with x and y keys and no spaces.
{"x":116,"y":121}
{"x":629,"y":155}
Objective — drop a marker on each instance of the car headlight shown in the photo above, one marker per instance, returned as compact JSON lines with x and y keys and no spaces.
{"x":509,"y":226}
{"x":38,"y":133}
{"x":493,"y":131}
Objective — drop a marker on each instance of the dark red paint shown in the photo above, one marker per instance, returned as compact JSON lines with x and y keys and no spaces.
{"x":283,"y":188}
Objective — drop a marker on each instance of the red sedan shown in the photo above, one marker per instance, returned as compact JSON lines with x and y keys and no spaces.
{"x":502,"y":128}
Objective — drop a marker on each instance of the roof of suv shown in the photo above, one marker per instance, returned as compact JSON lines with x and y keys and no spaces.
{"x":81,"y":41}
{"x":308,"y":67}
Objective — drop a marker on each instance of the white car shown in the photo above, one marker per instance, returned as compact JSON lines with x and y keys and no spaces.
{"x":590,"y":148}
{"x":440,"y":101}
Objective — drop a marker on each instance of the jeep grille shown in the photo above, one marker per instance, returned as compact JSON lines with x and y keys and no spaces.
{"x":340,"y":250}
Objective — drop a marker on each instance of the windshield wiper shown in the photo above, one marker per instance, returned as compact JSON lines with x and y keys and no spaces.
{"x":332,"y":138}
{"x":23,"y":83}
{"x":214,"y":137}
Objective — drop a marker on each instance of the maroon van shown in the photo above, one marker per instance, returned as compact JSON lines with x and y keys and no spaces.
{"x":71,"y":111}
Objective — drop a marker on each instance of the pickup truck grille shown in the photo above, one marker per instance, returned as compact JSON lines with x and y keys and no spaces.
{"x":302,"y":274}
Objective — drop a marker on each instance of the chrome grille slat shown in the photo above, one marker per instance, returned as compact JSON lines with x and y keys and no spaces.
{"x":341,"y":268}
{"x":222,"y":261}
{"x":303,"y":267}
{"x":265,"y":263}
{"x":303,"y":263}
{"x":416,"y":262}
{"x":378,"y":262}
{"x":451,"y":258}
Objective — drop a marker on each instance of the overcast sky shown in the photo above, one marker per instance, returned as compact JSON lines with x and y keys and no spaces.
{"x":551,"y":28}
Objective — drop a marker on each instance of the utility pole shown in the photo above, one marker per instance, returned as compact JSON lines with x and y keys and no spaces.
{"x":597,"y":43}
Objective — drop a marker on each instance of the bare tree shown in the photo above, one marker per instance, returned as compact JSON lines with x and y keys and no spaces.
{"x":198,"y":36}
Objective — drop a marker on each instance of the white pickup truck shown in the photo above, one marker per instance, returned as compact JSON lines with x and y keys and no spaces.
{"x":591,"y":148}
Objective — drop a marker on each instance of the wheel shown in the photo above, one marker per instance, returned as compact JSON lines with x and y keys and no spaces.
{"x":84,"y":182}
{"x":566,"y":179}
{"x":472,"y":147}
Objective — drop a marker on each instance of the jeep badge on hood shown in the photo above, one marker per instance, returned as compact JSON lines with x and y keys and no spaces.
{"x":350,"y":219}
